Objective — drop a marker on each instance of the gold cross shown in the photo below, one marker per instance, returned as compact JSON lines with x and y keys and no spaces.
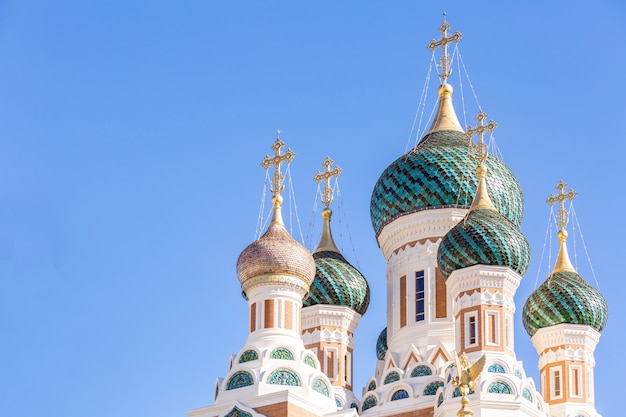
{"x":278,"y":158}
{"x":327,"y":193}
{"x":561,"y":197}
{"x":445,"y":60}
{"x":480,"y":131}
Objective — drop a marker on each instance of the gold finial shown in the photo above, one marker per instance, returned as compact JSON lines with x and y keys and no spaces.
{"x":278,"y":158}
{"x":563,"y":262}
{"x":466,"y":380}
{"x":481,"y":199}
{"x":327,"y":193}
{"x":444,"y":62}
{"x":326,"y":242}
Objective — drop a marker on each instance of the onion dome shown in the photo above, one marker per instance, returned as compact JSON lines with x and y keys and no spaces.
{"x":437,"y":173}
{"x":336,"y":281}
{"x":565,"y":297}
{"x":275,"y":256}
{"x":381,"y":345}
{"x":484,"y":237}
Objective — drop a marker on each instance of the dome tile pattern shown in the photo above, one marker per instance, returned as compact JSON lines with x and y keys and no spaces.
{"x":484,"y":237}
{"x":381,"y":345}
{"x":338,"y":283}
{"x":276,"y":252}
{"x":564,"y":298}
{"x":439,"y":172}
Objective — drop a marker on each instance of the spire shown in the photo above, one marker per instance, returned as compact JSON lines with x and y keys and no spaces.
{"x":278,"y":179}
{"x":445,"y":119}
{"x":563,"y":262}
{"x":481,"y":199}
{"x":326,"y":242}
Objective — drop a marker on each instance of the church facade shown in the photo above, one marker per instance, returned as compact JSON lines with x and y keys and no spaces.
{"x":446,"y":216}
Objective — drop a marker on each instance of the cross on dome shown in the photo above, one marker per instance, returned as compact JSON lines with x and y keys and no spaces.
{"x":480,"y":131}
{"x":278,"y":158}
{"x":444,"y":62}
{"x":327,"y":193}
{"x":560,"y":198}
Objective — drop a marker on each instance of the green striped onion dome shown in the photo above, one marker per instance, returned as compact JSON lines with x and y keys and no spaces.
{"x":439,"y":172}
{"x":564,"y":298}
{"x":484,"y":237}
{"x":381,"y":345}
{"x":338,"y":283}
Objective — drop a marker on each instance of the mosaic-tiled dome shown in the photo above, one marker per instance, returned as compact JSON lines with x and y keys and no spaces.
{"x":381,"y":345}
{"x":439,"y":172}
{"x":276,"y":253}
{"x":484,"y":237}
{"x":564,"y":298}
{"x":338,"y":283}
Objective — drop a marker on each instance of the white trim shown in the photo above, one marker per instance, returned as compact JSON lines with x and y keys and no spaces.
{"x":466,"y":340}
{"x":335,"y":352}
{"x":578,"y":383}
{"x":554,"y":371}
{"x":487,"y":327}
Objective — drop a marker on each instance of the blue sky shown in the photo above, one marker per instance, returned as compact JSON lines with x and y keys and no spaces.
{"x":130,"y":140}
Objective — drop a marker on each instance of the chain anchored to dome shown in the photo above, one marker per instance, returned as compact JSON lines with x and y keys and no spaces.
{"x":278,"y":158}
{"x":326,"y":176}
{"x":445,"y":61}
{"x":563,"y":262}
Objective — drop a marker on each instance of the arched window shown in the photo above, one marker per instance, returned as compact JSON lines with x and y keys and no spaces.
{"x":431,"y":389}
{"x":281,"y":353}
{"x":527,"y":395}
{"x":392,"y":376}
{"x":320,"y":386}
{"x":518,"y":374}
{"x":235,"y":412}
{"x":399,"y":395}
{"x":421,"y":370}
{"x":248,"y":355}
{"x":369,"y":402}
{"x":371,"y":386}
{"x":283,"y":377}
{"x":239,"y":379}
{"x":496,"y":368}
{"x":440,"y":399}
{"x":499,"y":387}
{"x":308,"y":359}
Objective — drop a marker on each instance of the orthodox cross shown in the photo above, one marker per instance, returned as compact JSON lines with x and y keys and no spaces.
{"x":278,"y":158}
{"x":480,"y":131}
{"x":560,"y":198}
{"x":445,"y":61}
{"x":327,"y":193}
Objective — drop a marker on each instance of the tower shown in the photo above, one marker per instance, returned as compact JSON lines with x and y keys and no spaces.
{"x":337,"y":299}
{"x":414,"y":204}
{"x":274,"y":375}
{"x":564,"y":318}
{"x":483,"y":259}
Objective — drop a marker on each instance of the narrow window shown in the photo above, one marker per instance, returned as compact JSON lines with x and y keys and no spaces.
{"x":403,"y":301}
{"x":472,"y":330}
{"x":419,"y":296}
{"x":556,"y":383}
{"x":491,"y":325}
{"x":253,"y":317}
{"x":575,"y":390}
{"x":269,"y":314}
{"x":507,"y":331}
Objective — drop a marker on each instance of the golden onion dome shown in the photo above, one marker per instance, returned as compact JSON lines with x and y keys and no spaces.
{"x":276,"y":258}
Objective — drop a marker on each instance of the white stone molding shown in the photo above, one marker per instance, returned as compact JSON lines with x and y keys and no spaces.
{"x":416,"y":226}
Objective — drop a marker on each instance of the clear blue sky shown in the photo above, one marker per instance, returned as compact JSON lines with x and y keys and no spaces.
{"x":131,"y":134}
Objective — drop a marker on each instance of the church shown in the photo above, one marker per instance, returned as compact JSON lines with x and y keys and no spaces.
{"x":446,"y":216}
